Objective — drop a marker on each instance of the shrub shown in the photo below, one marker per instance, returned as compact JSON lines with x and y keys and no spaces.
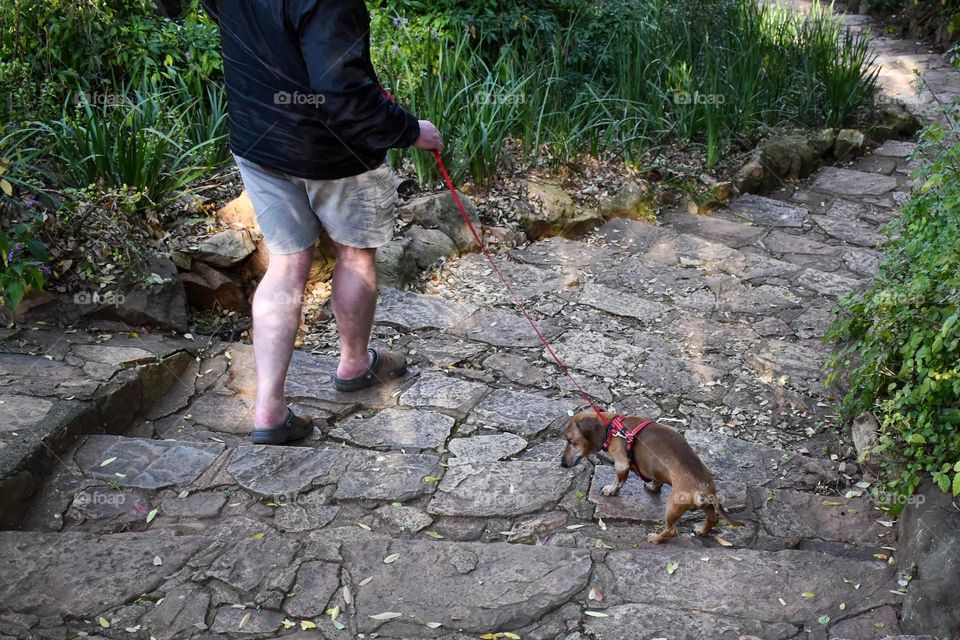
{"x":899,"y":342}
{"x":23,"y":260}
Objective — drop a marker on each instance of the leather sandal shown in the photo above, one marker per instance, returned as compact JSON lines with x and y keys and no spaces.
{"x":384,"y":366}
{"x":293,"y":428}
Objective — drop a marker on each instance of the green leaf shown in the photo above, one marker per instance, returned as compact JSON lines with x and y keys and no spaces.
{"x":151,"y":516}
{"x":956,"y":484}
{"x":103,"y":622}
{"x":672,"y":567}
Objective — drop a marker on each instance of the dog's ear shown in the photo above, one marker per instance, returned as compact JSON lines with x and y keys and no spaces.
{"x":592,"y":429}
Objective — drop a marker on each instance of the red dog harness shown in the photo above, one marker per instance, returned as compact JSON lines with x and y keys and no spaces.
{"x":616,"y":429}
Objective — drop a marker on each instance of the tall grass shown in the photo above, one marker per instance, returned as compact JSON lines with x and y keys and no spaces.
{"x":709,"y":73}
{"x":153,"y":139}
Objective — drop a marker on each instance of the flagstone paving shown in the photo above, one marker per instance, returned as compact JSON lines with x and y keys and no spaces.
{"x":435,"y":507}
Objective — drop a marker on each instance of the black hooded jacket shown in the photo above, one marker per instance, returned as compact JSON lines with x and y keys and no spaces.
{"x":303,"y":95}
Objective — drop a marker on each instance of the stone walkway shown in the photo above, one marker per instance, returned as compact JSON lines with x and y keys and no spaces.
{"x":436,"y":507}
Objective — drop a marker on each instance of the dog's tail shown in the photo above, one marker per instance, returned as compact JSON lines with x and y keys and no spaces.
{"x":710,"y":499}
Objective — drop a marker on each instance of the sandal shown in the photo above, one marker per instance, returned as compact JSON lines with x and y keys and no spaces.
{"x":383,"y":367}
{"x":293,"y":428}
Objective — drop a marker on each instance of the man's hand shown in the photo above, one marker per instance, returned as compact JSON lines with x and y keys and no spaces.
{"x":430,"y":138}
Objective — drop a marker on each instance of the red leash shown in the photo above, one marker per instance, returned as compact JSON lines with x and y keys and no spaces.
{"x":513,"y":294}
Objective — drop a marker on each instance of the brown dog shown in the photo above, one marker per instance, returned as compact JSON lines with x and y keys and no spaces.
{"x":659,"y":454}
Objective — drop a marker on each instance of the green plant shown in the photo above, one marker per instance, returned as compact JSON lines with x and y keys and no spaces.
{"x":899,"y":342}
{"x":23,"y":259}
{"x":130,"y":142}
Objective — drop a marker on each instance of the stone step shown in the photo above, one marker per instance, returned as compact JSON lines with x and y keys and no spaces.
{"x":65,"y":386}
{"x":802,"y":589}
{"x":803,"y":249}
{"x":236,"y":577}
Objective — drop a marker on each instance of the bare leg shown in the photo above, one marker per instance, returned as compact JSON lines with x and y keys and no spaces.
{"x":354,"y":302}
{"x":276,"y":318}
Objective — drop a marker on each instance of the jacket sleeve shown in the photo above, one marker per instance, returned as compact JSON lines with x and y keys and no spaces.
{"x":212,"y":10}
{"x":334,"y":41}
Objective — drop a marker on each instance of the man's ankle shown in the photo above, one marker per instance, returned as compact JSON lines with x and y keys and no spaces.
{"x":354,"y":367}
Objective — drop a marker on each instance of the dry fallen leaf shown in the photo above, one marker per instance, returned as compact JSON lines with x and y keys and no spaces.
{"x":391,"y":558}
{"x":365,"y":581}
{"x":244,"y":620}
{"x":386,"y":615}
{"x":347,"y":595}
{"x":595,"y":614}
{"x":722,"y":542}
{"x":433,"y":625}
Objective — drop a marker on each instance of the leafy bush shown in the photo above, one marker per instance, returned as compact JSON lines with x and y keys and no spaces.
{"x":23,"y":263}
{"x":899,"y":342}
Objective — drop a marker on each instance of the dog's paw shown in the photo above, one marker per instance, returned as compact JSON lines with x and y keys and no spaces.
{"x":654,"y":538}
{"x":653,"y":487}
{"x":610,"y":490}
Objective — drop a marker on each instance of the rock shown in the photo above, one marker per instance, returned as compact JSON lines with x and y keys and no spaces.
{"x":847,"y":182}
{"x":103,"y":510}
{"x":227,"y":620}
{"x":632,"y":201}
{"x":499,"y":489}
{"x":485,"y":448}
{"x":515,"y":369}
{"x":895,"y":121}
{"x":225,"y":249}
{"x":823,"y":141}
{"x":552,"y":212}
{"x":77,"y":574}
{"x":304,"y":515}
{"x":623,"y":620}
{"x":712,"y":580}
{"x":597,"y":354}
{"x":195,"y":505}
{"x":181,"y":611}
{"x":439,"y":211}
{"x":18,"y":413}
{"x":635,"y":503}
{"x":895,"y":149}
{"x":768,"y":212}
{"x":473,"y":587}
{"x":865,"y":432}
{"x":239,"y":211}
{"x":788,"y":157}
{"x":929,"y":537}
{"x":798,"y":365}
{"x":444,"y":392}
{"x":879,"y":623}
{"x":620,"y":303}
{"x":397,"y":429}
{"x":828,"y":284}
{"x":849,"y":144}
{"x":146,"y":464}
{"x":529,"y":527}
{"x":796,"y":515}
{"x":750,"y":177}
{"x":411,"y":311}
{"x":429,"y":245}
{"x":279,"y":471}
{"x":209,"y":288}
{"x":389,"y":476}
{"x":316,"y":584}
{"x":526,"y":414}
{"x":403,"y":518}
{"x":150,"y":294}
{"x":229,"y":414}
{"x":255,"y":267}
{"x":852,"y":231}
{"x":723,"y":191}
{"x":502,"y":328}
{"x":395,"y":264}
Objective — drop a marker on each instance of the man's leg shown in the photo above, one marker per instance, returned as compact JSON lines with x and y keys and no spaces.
{"x":276,"y":318}
{"x":354,"y":302}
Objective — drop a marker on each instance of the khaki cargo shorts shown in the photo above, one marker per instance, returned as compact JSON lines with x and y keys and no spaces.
{"x":356,"y":212}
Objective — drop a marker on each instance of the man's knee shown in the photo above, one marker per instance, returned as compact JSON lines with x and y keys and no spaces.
{"x":355,"y":256}
{"x":291,"y":267}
